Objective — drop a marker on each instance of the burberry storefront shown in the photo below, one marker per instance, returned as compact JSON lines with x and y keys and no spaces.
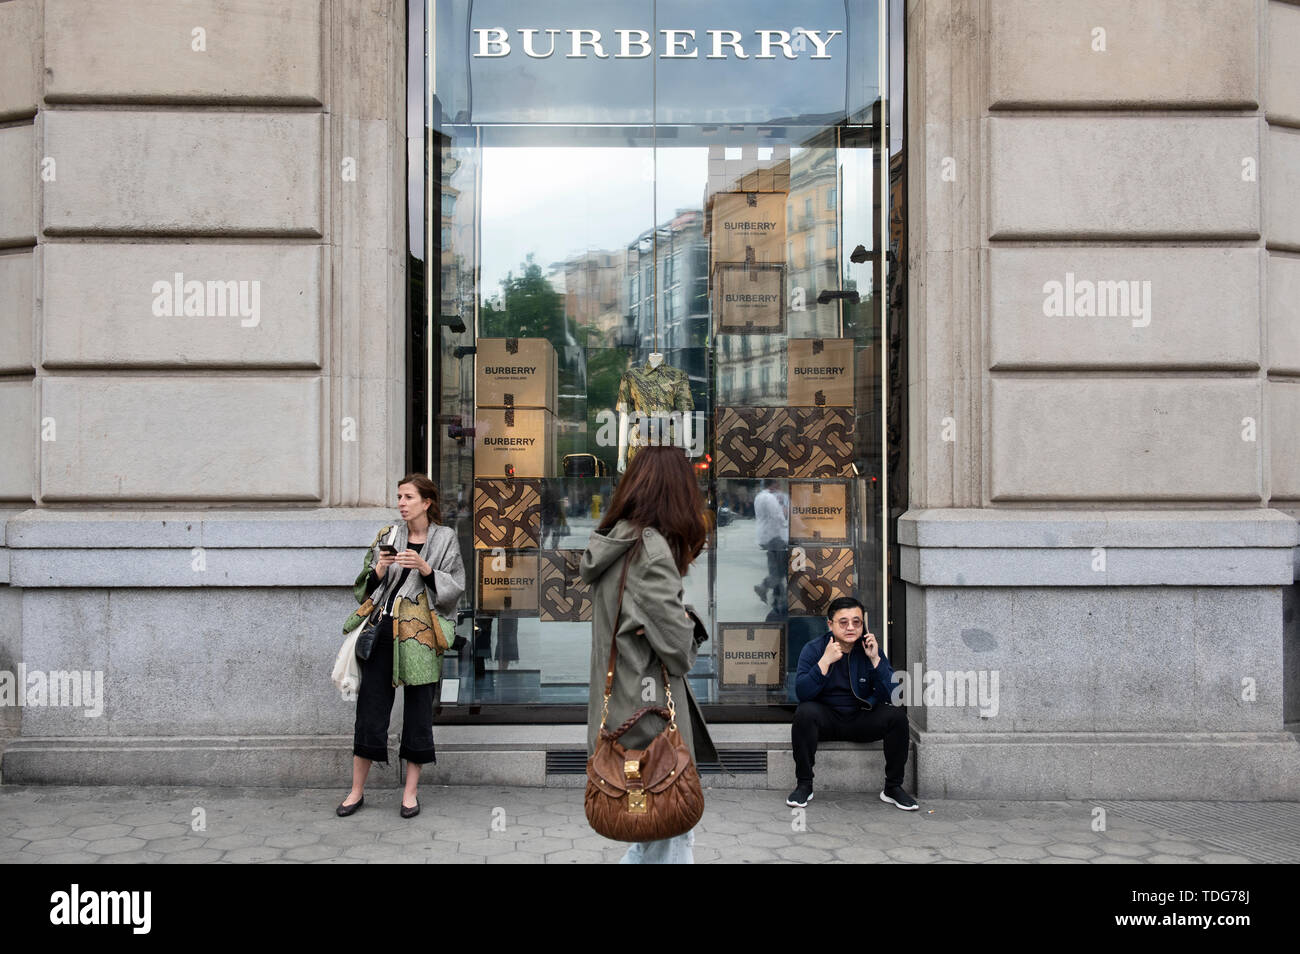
{"x":658,"y":222}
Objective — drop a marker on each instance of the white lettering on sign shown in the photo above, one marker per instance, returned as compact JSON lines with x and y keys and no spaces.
{"x":676,"y":44}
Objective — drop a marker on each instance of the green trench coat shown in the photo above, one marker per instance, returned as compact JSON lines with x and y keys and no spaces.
{"x":653,"y":599}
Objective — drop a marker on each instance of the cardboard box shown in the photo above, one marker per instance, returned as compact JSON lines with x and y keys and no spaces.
{"x":749,"y":299}
{"x":507,"y":513}
{"x":562,"y":596}
{"x":514,"y":442}
{"x":751,"y":655}
{"x":819,"y":575}
{"x":748,"y":228}
{"x":515,"y":372}
{"x":820,"y":372}
{"x":783,"y":442}
{"x":819,"y":511}
{"x":507,"y":582}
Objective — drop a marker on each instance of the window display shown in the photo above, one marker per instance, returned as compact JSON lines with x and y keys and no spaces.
{"x":680,"y":252}
{"x":654,"y":407}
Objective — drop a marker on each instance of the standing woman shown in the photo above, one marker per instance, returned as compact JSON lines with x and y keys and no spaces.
{"x":656,"y":520}
{"x":414,"y":571}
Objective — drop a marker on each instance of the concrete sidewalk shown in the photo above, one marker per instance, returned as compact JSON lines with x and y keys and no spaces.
{"x":476,"y":824}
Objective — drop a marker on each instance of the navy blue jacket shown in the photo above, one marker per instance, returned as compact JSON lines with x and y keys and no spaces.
{"x":872,"y":686}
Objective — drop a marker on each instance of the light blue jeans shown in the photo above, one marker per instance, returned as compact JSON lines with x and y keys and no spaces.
{"x":669,"y":851}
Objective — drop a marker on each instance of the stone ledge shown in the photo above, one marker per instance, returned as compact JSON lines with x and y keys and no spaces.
{"x":467,"y":755}
{"x":969,"y":547}
{"x":1183,"y":767}
{"x":1033,"y":529}
{"x":243,"y":548}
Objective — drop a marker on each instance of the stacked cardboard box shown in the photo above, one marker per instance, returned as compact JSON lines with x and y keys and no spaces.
{"x":820,"y":372}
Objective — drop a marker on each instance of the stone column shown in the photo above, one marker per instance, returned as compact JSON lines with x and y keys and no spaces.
{"x":1102,"y":386}
{"x":202,"y":264}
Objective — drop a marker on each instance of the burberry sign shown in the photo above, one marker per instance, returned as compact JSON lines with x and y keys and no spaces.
{"x":541,"y":44}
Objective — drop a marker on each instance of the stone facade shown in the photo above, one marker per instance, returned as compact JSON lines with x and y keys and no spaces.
{"x":1103,"y":506}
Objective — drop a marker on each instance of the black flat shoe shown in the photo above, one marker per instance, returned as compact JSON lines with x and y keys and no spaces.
{"x":411,"y":812}
{"x":343,"y":811}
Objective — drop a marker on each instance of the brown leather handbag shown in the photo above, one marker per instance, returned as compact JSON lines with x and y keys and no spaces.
{"x":641,"y":794}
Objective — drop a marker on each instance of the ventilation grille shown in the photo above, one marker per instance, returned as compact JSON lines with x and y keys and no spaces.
{"x":733,"y":762}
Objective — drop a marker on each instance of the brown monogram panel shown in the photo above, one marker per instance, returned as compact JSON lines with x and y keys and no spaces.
{"x":507,"y":513}
{"x":561,"y":594}
{"x":784,"y":442}
{"x":819,"y":575}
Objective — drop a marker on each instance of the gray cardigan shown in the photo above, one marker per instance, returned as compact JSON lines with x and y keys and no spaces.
{"x":441,"y":550}
{"x":653,"y":599}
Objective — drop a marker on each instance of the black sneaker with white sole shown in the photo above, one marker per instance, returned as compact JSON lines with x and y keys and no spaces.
{"x":801,"y":796}
{"x":895,"y":795}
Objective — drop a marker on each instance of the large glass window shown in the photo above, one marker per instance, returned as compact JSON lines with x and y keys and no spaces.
{"x":618,"y":184}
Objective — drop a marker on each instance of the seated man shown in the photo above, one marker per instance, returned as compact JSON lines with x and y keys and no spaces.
{"x":844,"y":686}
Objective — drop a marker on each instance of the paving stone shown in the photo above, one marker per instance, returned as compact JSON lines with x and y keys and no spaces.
{"x":69,"y":858}
{"x":160,"y":830}
{"x":1175,"y":848}
{"x":1170,"y":860}
{"x":50,"y":846}
{"x":231,"y":842}
{"x":1014,"y":852}
{"x":99,"y":832}
{"x":574,"y":856}
{"x":87,"y":819}
{"x":1115,"y":860}
{"x":312,"y":852}
{"x":146,"y":818}
{"x":178,"y":843}
{"x":976,"y":839}
{"x":859,"y":855}
{"x":244,"y":856}
{"x":765,"y":839}
{"x":293,"y":839}
{"x":1124,"y":849}
{"x":915,"y":856}
{"x":966,"y":853}
{"x":114,"y":846}
{"x":1071,"y":851}
{"x":41,"y":832}
{"x":341,"y":860}
{"x":749,"y":854}
{"x":369,"y":852}
{"x":1128,"y":834}
{"x":805,"y":854}
{"x":739,"y":826}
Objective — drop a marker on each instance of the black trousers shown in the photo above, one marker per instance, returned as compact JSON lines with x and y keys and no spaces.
{"x":375,"y":708}
{"x":815,"y":722}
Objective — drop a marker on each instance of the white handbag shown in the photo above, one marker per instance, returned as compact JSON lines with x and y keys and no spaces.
{"x":347,"y":672}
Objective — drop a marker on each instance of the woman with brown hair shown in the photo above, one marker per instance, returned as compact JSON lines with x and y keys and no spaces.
{"x":414,"y":570}
{"x":657,"y":522}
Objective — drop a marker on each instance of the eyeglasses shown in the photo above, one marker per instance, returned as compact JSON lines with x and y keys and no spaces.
{"x":849,"y":623}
